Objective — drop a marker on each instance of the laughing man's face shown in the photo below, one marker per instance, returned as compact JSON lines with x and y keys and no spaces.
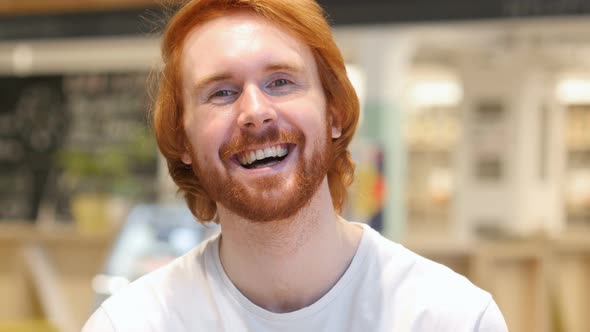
{"x":255,"y":117}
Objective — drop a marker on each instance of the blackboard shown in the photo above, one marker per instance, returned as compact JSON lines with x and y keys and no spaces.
{"x":62,"y":135}
{"x":32,"y":122}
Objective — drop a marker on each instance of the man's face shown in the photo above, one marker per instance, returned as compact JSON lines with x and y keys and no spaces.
{"x":255,"y":117}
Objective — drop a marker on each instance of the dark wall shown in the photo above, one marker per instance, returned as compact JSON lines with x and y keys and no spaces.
{"x":341,"y":12}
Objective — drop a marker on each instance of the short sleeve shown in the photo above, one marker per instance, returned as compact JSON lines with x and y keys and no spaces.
{"x":492,"y":319}
{"x":99,"y":322}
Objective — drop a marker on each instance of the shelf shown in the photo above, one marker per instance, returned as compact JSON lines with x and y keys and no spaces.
{"x":24,"y":232}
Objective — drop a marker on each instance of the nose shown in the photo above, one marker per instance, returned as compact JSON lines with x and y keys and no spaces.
{"x":256,"y":111}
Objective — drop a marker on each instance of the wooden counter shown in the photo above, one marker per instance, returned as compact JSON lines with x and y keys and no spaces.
{"x":46,"y":273}
{"x":540,"y":285}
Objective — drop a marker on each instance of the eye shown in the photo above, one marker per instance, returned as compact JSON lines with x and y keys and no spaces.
{"x":221,"y":96}
{"x":223,"y":93}
{"x":279,"y":82}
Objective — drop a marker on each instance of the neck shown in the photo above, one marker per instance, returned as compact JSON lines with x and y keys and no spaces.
{"x":270,"y":262}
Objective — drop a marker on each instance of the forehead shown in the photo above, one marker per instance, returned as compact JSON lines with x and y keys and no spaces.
{"x":241,"y":41}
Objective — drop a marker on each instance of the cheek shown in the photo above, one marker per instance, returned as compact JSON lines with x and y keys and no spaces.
{"x":313,"y":125}
{"x":206,"y":135}
{"x":308,"y":115}
{"x":206,"y":146}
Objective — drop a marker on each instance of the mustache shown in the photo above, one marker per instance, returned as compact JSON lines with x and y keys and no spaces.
{"x":244,"y":140}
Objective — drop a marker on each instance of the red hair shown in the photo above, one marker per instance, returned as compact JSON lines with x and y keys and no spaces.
{"x":303,"y":19}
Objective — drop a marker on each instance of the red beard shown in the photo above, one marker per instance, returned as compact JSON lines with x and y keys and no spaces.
{"x":249,"y":202}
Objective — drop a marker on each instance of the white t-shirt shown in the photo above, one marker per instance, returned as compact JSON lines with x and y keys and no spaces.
{"x":385,"y":288}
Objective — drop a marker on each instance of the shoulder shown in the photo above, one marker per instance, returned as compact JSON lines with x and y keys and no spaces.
{"x":492,"y":319}
{"x":148,"y":302}
{"x":99,"y":322}
{"x":443,"y":297}
{"x":412,"y":271}
{"x":432,"y":294}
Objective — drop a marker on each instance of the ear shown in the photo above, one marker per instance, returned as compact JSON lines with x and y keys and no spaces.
{"x":336,"y":132}
{"x":335,"y":123}
{"x":186,"y":158}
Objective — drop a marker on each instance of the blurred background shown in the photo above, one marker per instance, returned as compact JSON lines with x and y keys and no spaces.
{"x":473,"y":150}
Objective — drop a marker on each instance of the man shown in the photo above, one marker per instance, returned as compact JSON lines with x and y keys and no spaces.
{"x":254,"y":116}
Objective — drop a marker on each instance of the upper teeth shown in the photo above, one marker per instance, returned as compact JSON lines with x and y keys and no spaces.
{"x":248,"y":157}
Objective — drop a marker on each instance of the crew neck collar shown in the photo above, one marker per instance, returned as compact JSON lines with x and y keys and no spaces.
{"x":351,"y":273}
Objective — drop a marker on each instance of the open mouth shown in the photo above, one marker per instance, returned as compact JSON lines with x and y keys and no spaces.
{"x":266,"y":157}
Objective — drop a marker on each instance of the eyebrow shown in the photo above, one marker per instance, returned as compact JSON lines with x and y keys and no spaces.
{"x":284,"y":67}
{"x":211,"y":79}
{"x":223,"y":76}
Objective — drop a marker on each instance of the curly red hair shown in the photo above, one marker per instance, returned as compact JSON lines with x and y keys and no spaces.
{"x":305,"y":20}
